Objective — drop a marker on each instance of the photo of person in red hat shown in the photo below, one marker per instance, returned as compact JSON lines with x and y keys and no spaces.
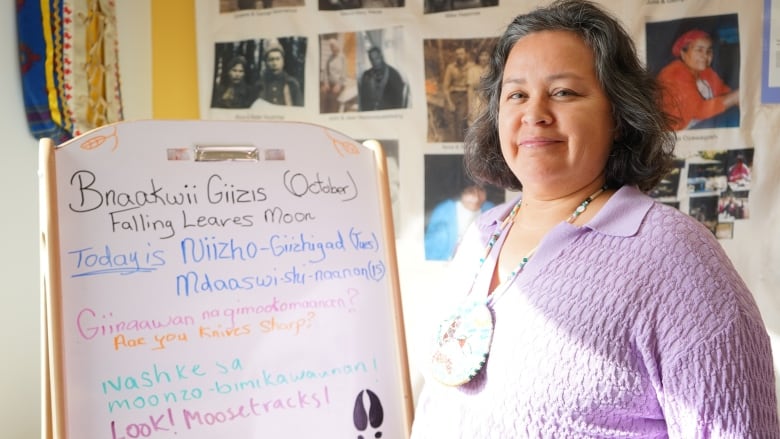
{"x":693,"y":91}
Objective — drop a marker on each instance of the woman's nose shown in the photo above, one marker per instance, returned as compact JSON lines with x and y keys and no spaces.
{"x":537,"y":111}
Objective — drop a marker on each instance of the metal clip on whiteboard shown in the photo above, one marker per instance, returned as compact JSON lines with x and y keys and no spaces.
{"x":220,"y":153}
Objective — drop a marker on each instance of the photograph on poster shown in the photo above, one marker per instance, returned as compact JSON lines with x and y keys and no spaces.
{"x":276,"y":86}
{"x":337,"y":5}
{"x":669,"y":186}
{"x":697,"y":61}
{"x":453,"y":68}
{"x":452,"y":202}
{"x":739,"y":163}
{"x":381,"y":84}
{"x":359,"y":72}
{"x":704,"y":208}
{"x":724,"y":230}
{"x":720,"y":171}
{"x":724,"y":176}
{"x":433,"y":6}
{"x":733,"y":206}
{"x":338,"y":82}
{"x":226,"y":6}
{"x":706,"y":175}
{"x":232,"y":77}
{"x":254,"y":73}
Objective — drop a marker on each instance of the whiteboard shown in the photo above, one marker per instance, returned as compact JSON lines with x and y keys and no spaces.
{"x":221,"y":279}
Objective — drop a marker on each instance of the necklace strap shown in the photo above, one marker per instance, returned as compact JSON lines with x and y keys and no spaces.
{"x":581,"y":208}
{"x":463,"y":340}
{"x":509,"y":221}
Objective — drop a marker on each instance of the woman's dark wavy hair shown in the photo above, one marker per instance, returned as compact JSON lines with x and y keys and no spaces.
{"x":643,"y":150}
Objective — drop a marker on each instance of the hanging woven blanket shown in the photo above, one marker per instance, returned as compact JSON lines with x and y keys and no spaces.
{"x":68,"y":60}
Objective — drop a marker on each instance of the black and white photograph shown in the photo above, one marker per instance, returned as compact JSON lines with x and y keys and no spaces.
{"x":433,"y":6}
{"x":226,"y":6}
{"x":338,"y":5}
{"x":382,"y":83}
{"x":256,"y":73}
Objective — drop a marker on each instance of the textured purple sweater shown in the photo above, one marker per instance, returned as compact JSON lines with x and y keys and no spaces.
{"x":635,"y":325}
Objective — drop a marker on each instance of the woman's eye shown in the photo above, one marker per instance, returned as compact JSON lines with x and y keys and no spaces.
{"x":564,"y":93}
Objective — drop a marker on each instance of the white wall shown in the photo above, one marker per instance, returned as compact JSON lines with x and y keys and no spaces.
{"x":19,"y":295}
{"x":19,"y":329}
{"x":19,"y":267}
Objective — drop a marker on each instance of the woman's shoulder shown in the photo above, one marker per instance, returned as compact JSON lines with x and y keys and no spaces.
{"x":658,"y":231}
{"x":690,"y":254}
{"x":671,"y":220}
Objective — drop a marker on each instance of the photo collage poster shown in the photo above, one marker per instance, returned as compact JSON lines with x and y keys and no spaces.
{"x":406,"y":72}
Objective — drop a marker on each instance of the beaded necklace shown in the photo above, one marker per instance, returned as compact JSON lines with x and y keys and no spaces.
{"x":510,"y":220}
{"x":463,"y":340}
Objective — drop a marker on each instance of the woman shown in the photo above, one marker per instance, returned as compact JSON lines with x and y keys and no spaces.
{"x":595,"y":311}
{"x":693,"y":91}
{"x":234,"y":91}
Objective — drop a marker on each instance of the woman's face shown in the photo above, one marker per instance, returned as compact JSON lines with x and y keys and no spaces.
{"x":236,"y":73}
{"x":698,"y":54}
{"x":554,"y":119}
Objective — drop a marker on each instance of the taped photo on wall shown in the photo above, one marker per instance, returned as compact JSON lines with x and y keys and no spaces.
{"x":697,"y":61}
{"x":258,"y":72}
{"x":453,"y":70}
{"x":338,"y":5}
{"x":227,"y":6}
{"x":433,"y":6}
{"x":359,"y":71}
{"x":452,"y":202}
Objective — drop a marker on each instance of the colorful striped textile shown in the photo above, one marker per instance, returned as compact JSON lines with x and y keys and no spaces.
{"x":69,"y":65}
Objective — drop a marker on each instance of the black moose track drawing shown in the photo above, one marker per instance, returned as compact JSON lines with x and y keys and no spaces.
{"x":372,"y":417}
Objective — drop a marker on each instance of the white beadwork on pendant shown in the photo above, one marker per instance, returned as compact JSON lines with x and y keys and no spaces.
{"x":462,"y":344}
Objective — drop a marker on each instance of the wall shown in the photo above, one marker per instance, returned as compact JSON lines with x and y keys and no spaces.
{"x":755,"y":257}
{"x":19,"y":329}
{"x":420,"y":45}
{"x":19,"y":296}
{"x":174,"y":87}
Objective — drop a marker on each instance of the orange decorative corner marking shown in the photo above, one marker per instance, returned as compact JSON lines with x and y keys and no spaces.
{"x":342,"y":146}
{"x":98,"y":141}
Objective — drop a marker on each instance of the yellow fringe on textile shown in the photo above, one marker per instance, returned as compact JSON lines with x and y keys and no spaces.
{"x":95,"y":65}
{"x":51,"y":53}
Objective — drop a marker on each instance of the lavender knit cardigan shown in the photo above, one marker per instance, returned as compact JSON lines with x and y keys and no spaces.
{"x":635,"y":325}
